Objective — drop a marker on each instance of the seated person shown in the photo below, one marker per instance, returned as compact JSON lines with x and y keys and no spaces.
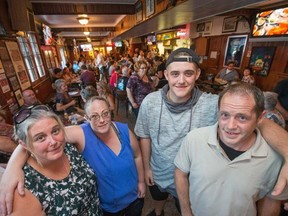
{"x":29,"y":98}
{"x":122,"y":81}
{"x":247,"y":77}
{"x":64,"y":102}
{"x":7,"y":142}
{"x":231,"y":158}
{"x":88,"y":92}
{"x":228,"y":74}
{"x":105,"y":92}
{"x":87,"y":77}
{"x":270,"y":111}
{"x":57,"y":74}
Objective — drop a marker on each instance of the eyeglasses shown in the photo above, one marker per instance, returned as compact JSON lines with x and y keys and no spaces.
{"x":24,"y":113}
{"x":143,"y":68}
{"x":95,"y":117}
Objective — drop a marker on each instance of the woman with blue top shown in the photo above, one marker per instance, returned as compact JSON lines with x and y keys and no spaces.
{"x":112,"y":151}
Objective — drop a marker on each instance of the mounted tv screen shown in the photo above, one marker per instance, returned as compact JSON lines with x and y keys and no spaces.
{"x":118,"y":44}
{"x":86,"y":47}
{"x":151,"y":38}
{"x":47,"y":35}
{"x":271,"y":24}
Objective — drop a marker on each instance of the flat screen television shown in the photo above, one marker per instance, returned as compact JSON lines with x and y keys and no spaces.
{"x":118,"y":44}
{"x":270,"y":25}
{"x":86,"y":47}
{"x":47,"y":34}
{"x":151,"y":38}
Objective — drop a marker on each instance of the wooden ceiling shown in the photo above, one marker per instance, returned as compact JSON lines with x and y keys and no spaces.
{"x":103,"y":15}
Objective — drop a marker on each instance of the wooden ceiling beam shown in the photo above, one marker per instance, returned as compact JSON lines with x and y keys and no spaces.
{"x":74,"y":9}
{"x":81,"y":29}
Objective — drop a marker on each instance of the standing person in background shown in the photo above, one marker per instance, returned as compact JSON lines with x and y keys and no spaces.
{"x":139,"y":86}
{"x":123,"y":80}
{"x":87,"y":77}
{"x":282,"y":90}
{"x":101,"y":64}
{"x":166,"y":116}
{"x":231,"y":157}
{"x":114,"y":78}
{"x":160,"y":68}
{"x":248,"y":77}
{"x":29,"y":98}
{"x":228,"y":74}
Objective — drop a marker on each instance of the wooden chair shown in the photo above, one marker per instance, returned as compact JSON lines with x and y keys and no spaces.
{"x":121,"y":96}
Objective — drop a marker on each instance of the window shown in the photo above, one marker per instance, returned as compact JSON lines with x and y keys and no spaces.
{"x":32,"y":58}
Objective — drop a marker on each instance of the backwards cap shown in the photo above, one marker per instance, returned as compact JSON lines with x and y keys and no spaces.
{"x":182,"y":55}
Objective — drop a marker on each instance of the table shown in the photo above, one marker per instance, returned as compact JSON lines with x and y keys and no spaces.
{"x":212,"y":86}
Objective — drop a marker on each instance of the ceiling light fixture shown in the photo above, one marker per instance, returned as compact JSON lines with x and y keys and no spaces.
{"x":86,"y":33}
{"x":83,"y":19}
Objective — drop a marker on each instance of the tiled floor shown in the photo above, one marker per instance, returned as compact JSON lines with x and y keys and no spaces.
{"x":170,"y":209}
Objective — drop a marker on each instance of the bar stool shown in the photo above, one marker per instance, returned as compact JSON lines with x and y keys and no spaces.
{"x":121,"y":96}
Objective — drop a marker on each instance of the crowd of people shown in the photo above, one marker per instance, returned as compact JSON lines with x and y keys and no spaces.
{"x":198,"y":147}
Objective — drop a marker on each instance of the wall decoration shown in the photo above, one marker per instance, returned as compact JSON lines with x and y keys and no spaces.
{"x":207,"y":28}
{"x":4,"y":54}
{"x":200,"y":27}
{"x":150,"y":7}
{"x":4,"y":83}
{"x":18,"y":64}
{"x":9,"y":69}
{"x":14,"y":83}
{"x":261,"y":60}
{"x":1,"y":67}
{"x":139,"y":11}
{"x":235,"y":49}
{"x":229,"y":24}
{"x":19,"y":97}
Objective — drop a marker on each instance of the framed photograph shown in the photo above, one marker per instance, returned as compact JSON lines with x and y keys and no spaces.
{"x":19,"y":97}
{"x":4,"y":83}
{"x":9,"y":69}
{"x":139,"y":11}
{"x":18,"y":64}
{"x":261,"y":60}
{"x":235,"y":48}
{"x":14,"y":83}
{"x":150,"y":4}
{"x":229,"y":24}
{"x":207,"y":28}
{"x":200,"y":27}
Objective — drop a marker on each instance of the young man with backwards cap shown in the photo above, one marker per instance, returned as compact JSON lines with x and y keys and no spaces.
{"x":166,"y":116}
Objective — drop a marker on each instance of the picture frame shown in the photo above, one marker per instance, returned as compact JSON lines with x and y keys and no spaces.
{"x":261,"y":60}
{"x":4,"y":83}
{"x":234,"y":51}
{"x":14,"y":83}
{"x":1,"y":67}
{"x":207,"y":28}
{"x":139,"y":11}
{"x":18,"y":64}
{"x":19,"y":97}
{"x":150,"y":7}
{"x":230,"y":24}
{"x":200,"y":27}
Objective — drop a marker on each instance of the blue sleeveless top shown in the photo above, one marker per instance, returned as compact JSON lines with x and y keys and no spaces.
{"x":116,"y":174}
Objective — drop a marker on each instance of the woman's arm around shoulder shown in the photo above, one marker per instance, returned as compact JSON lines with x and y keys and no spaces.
{"x":75,"y":136}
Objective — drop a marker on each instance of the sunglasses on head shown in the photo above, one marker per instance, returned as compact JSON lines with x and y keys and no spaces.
{"x":24,"y":113}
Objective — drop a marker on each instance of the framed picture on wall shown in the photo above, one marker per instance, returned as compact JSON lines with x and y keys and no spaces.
{"x":235,"y":48}
{"x":150,"y":4}
{"x":14,"y":83}
{"x":229,"y":24}
{"x":139,"y":11}
{"x":261,"y":60}
{"x":19,"y":97}
{"x":207,"y":28}
{"x":200,"y":27}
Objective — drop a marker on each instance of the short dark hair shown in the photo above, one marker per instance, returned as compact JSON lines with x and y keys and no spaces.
{"x":245,"y":89}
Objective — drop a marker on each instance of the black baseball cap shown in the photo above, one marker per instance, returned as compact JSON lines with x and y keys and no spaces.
{"x":182,"y":55}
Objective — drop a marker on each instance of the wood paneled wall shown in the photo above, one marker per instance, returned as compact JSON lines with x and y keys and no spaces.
{"x":278,"y":70}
